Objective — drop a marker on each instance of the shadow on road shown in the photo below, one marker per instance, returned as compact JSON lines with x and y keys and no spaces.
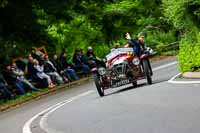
{"x":126,"y":89}
{"x":138,"y":86}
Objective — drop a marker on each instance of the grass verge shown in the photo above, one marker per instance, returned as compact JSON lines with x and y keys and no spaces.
{"x":35,"y":95}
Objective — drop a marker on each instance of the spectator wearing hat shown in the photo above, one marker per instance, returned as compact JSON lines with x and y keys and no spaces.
{"x":92,"y":58}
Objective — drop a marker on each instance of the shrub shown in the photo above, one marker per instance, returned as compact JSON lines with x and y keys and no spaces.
{"x":189,"y":54}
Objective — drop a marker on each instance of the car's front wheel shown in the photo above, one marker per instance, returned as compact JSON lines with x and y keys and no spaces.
{"x":98,"y":84}
{"x":147,"y":71}
{"x":134,"y":83}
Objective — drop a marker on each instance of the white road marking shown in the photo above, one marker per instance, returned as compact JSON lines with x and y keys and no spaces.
{"x":27,"y":129}
{"x":164,"y":66}
{"x":48,"y":111}
{"x":172,"y":80}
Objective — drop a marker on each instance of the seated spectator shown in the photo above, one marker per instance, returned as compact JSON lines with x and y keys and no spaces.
{"x":42,"y":59}
{"x":32,"y":73}
{"x":19,"y":75}
{"x":51,"y":70}
{"x":31,"y":70}
{"x":40,"y":73}
{"x":92,"y":58}
{"x":79,"y":64}
{"x":4,"y":88}
{"x":67,"y":67}
{"x":88,"y":61}
{"x":56,"y":62}
{"x":11,"y":79}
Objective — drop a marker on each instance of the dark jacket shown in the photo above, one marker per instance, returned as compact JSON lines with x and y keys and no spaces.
{"x":77,"y":59}
{"x":137,"y":47}
{"x":58,"y":65}
{"x":91,"y":55}
{"x":9,"y":77}
{"x":32,"y":72}
{"x":64,"y":62}
{"x":48,"y":67}
{"x":2,"y":80}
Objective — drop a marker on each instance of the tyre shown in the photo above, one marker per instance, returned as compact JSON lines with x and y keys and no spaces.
{"x":134,"y":83}
{"x":97,"y":81}
{"x":147,"y":71}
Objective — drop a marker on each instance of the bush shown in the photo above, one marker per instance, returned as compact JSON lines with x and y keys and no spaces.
{"x":189,"y":54}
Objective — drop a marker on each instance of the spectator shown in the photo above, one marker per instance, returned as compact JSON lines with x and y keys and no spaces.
{"x":92,"y":57}
{"x":30,"y":68}
{"x":42,"y":59}
{"x":67,"y":67}
{"x":56,"y":62}
{"x":32,"y":73}
{"x":19,"y":75}
{"x":86,"y":60}
{"x":11,"y":79}
{"x":77,"y":60}
{"x":4,"y":88}
{"x":51,"y":70}
{"x":40,"y":73}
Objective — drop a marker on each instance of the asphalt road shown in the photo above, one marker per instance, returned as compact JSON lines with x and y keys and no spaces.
{"x":158,"y":108}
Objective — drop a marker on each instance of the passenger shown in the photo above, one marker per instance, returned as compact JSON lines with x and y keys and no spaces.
{"x":117,"y":45}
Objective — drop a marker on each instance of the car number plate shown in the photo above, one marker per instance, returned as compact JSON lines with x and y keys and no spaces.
{"x":122,"y":82}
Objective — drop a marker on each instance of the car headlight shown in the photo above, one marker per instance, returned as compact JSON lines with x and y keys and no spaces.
{"x":136,"y":61}
{"x":102,"y":71}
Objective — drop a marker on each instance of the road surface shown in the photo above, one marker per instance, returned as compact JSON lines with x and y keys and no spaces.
{"x":158,"y":108}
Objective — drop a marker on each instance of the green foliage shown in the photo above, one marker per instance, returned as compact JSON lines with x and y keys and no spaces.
{"x":189,"y":55}
{"x":185,"y":17}
{"x":75,"y":24}
{"x":182,"y":13}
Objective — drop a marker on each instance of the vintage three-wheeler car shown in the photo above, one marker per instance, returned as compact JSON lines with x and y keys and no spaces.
{"x":123,"y":67}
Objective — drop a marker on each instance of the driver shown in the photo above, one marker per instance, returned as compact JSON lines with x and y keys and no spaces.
{"x":137,"y":45}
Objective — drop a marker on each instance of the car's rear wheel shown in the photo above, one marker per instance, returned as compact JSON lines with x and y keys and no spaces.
{"x":98,"y":83}
{"x":147,"y":71}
